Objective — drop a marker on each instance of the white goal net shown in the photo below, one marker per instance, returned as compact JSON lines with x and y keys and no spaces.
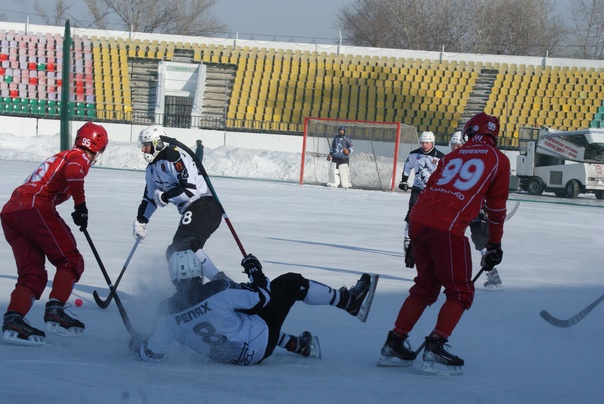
{"x":374,"y":161}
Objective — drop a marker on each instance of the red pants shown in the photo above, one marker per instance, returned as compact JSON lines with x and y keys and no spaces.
{"x":442,"y":259}
{"x":33,"y":235}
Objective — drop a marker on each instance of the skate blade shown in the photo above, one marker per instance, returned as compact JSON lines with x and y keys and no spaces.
{"x":12,"y":337}
{"x":439,"y":369}
{"x":315,"y":348}
{"x":55,"y":328}
{"x":366,"y":306}
{"x":393,"y":361}
{"x":494,"y":288}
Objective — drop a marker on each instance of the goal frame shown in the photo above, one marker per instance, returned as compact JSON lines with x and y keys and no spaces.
{"x":349,"y":122}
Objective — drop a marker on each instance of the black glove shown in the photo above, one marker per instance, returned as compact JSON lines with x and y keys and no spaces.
{"x":403,"y":184}
{"x":409,"y":260}
{"x":253,"y":268}
{"x":492,"y":257}
{"x":80,"y":215}
{"x":251,"y":265}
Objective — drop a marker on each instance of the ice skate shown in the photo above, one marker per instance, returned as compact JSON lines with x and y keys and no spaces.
{"x":493,"y":282}
{"x":17,"y":331}
{"x":306,"y":345}
{"x":396,"y":352}
{"x":439,"y":362}
{"x":58,"y":322}
{"x":358,"y":299}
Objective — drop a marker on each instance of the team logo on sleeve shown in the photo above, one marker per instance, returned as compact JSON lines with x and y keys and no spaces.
{"x":179,"y":166}
{"x":181,"y":169}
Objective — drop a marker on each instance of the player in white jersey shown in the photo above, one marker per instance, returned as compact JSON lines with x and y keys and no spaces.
{"x":237,"y":323}
{"x":422,"y":162}
{"x":172,"y":177}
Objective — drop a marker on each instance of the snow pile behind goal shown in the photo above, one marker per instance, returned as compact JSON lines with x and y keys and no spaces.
{"x":373,"y":164}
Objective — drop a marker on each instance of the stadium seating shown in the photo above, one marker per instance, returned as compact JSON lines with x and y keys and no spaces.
{"x":31,"y":74}
{"x":565,"y":99}
{"x":275,"y":89}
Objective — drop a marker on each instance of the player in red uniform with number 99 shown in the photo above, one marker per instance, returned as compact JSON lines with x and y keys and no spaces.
{"x":477,"y":173}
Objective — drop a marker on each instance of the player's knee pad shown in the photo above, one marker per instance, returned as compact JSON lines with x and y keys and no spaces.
{"x":334,"y":179}
{"x":295,"y":283}
{"x":189,"y":243}
{"x":345,"y":175}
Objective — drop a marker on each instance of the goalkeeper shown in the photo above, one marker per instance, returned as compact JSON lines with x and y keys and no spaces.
{"x":339,"y":155}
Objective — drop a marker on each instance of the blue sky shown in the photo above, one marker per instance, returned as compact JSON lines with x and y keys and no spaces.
{"x":309,"y":18}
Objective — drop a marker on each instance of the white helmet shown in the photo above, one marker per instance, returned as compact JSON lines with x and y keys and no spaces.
{"x":456,"y":140}
{"x":184,"y":265}
{"x":152,"y":135}
{"x":427,"y":137}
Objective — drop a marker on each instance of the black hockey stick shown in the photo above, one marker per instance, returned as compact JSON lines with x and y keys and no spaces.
{"x":103,"y":304}
{"x":204,"y":173}
{"x":418,"y":350}
{"x":573,"y":320}
{"x":118,"y":302}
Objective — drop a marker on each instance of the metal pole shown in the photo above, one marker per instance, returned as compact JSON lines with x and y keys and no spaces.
{"x":65,"y":110}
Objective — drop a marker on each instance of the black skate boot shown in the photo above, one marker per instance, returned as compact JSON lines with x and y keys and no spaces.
{"x":58,"y":322}
{"x":437,"y":361}
{"x":17,"y":331}
{"x":493,"y":282}
{"x":306,"y":345}
{"x":351,"y":299}
{"x":396,"y":351}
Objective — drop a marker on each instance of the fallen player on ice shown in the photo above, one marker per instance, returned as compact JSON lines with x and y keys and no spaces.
{"x":240,"y":323}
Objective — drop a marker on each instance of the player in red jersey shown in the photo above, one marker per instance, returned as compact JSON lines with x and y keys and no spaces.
{"x":477,"y":173}
{"x":35,"y":231}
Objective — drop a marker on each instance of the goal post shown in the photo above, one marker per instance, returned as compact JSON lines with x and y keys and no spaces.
{"x":373,"y":163}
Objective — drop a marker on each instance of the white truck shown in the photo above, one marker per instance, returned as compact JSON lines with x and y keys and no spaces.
{"x":566,"y":163}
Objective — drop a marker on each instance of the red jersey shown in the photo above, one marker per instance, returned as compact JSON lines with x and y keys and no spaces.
{"x":53,"y":182}
{"x":475,"y":174}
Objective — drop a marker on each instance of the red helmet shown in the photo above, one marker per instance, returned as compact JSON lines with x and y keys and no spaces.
{"x":92,"y":137}
{"x":482,"y":124}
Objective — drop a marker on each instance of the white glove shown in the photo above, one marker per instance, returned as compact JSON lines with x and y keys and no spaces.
{"x":139,"y":230}
{"x":157,"y":197}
